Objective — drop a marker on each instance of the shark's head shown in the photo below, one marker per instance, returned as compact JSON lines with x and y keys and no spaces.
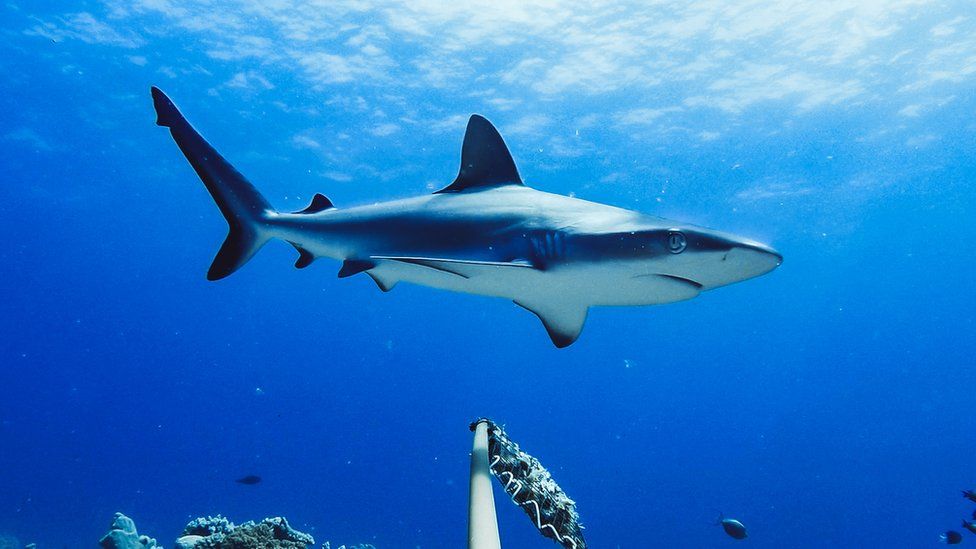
{"x":710,"y":258}
{"x":655,"y":247}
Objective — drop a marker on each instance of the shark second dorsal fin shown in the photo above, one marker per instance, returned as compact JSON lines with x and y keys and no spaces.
{"x":485,"y":160}
{"x":319,"y":204}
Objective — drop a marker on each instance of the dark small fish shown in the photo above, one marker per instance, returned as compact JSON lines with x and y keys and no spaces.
{"x":969,"y":525}
{"x":951,"y":537}
{"x":970,"y":495}
{"x":249,"y":479}
{"x":733,"y":527}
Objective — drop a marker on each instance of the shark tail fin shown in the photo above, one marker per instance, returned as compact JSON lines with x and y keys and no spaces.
{"x":245,"y":210}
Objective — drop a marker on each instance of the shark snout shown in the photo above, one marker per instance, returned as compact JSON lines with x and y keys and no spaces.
{"x":752,"y":259}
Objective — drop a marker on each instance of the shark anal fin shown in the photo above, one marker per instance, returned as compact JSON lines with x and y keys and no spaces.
{"x":355,"y":266}
{"x":485,"y":160}
{"x":464,"y":268}
{"x":563,"y":319}
{"x":305,"y":257}
{"x":319,"y":204}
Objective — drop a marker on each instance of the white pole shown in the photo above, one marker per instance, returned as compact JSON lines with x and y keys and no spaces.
{"x":482,"y":523}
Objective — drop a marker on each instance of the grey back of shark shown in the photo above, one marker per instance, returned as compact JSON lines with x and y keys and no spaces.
{"x":486,"y":233}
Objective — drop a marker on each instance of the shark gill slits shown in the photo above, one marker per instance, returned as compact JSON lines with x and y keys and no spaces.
{"x":677,"y":242}
{"x":548,"y":245}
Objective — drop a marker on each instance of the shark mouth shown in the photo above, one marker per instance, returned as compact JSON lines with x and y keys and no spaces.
{"x":674,"y":278}
{"x":682,"y":279}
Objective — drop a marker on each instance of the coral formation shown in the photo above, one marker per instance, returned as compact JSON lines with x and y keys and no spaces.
{"x":208,"y":526}
{"x":214,"y":532}
{"x":122,"y":534}
{"x":219,"y":533}
{"x":9,"y":542}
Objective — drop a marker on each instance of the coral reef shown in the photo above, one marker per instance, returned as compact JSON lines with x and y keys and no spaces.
{"x":9,"y":542}
{"x":214,"y":532}
{"x":122,"y":534}
{"x":208,"y":526}
{"x":219,"y":533}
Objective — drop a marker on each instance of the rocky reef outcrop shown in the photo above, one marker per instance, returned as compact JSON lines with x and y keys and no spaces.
{"x":122,"y":534}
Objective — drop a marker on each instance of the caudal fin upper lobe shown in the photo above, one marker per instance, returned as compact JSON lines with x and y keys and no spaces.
{"x":245,"y":210}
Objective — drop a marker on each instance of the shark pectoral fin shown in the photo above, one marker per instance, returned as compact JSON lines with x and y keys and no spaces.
{"x":461,"y":267}
{"x":563,"y":319}
{"x":305,"y":257}
{"x":355,"y":266}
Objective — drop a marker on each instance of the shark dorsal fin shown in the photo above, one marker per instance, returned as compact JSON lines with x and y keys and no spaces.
{"x":485,"y":160}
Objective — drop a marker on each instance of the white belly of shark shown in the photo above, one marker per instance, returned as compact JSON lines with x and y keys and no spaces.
{"x":486,"y":233}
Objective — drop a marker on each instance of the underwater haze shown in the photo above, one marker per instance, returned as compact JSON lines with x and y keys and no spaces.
{"x":829,"y":403}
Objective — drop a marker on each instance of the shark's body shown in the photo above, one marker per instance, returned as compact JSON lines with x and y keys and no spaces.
{"x":487,"y":234}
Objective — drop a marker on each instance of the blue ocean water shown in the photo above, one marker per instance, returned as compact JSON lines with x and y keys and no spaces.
{"x":827,"y":404}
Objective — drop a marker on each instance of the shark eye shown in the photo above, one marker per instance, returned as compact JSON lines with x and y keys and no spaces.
{"x":676,"y":242}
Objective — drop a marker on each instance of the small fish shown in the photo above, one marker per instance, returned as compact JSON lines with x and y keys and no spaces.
{"x":249,"y":479}
{"x":732,"y":527}
{"x":951,"y":537}
{"x":969,"y":525}
{"x":970,"y":495}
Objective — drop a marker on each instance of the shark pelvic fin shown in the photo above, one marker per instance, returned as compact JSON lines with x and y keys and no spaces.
{"x":563,"y":319}
{"x":382,"y":282}
{"x":485,"y":160}
{"x":319,"y":204}
{"x":355,"y":266}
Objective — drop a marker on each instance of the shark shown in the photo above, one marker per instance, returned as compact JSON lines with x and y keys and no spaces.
{"x":486,"y":233}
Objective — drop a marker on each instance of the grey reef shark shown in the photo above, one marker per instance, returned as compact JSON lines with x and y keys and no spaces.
{"x":486,"y":233}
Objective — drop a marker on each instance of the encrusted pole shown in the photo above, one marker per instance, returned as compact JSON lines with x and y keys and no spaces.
{"x":482,"y":523}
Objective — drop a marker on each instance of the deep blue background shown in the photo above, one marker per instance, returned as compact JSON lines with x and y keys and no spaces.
{"x":827,"y":404}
